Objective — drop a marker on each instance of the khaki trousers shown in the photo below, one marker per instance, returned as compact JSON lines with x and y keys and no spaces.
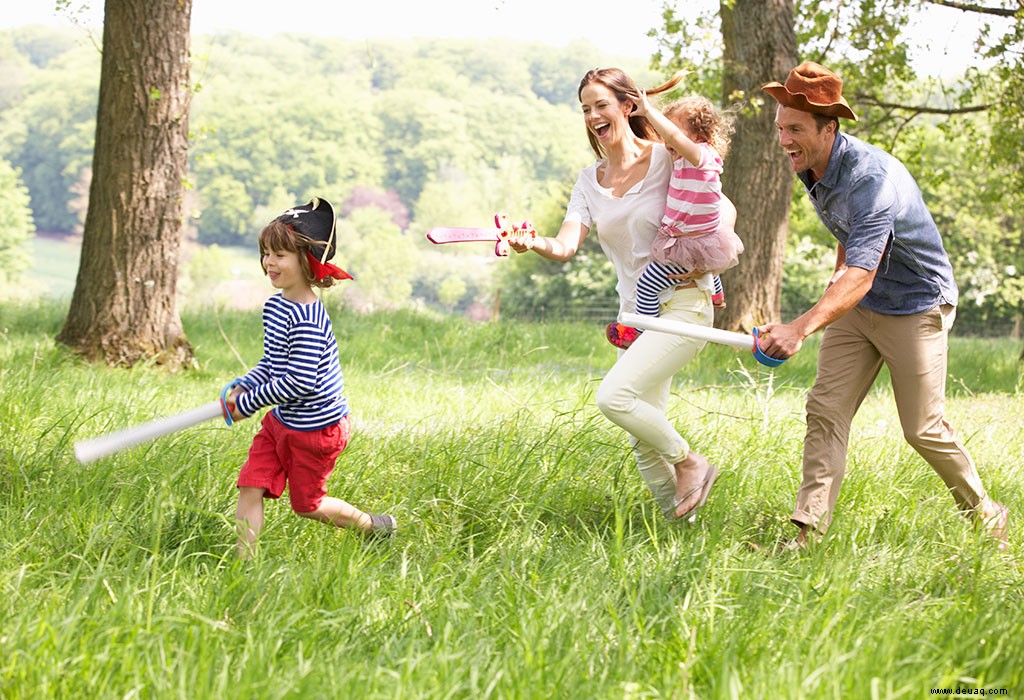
{"x":634,"y":394}
{"x":853,"y":349}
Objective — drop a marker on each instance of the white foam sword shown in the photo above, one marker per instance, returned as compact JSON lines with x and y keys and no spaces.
{"x":714,"y":335}
{"x":94,"y":448}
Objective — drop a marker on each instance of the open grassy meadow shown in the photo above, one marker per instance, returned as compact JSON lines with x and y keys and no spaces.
{"x":531,"y":561}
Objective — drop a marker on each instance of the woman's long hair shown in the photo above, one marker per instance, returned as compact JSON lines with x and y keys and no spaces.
{"x":625,"y":90}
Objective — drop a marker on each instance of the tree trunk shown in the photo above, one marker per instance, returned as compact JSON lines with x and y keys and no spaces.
{"x":124,"y":308}
{"x":759,"y":46}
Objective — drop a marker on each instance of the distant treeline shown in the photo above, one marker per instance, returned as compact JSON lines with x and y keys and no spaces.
{"x":405,"y":135}
{"x":458,"y":127}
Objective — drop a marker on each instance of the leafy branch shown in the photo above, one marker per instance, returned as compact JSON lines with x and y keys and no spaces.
{"x":978,"y":9}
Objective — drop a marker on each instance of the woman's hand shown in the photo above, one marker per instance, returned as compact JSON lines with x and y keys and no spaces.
{"x":687,"y":276}
{"x":521,"y":246}
{"x":558,"y":248}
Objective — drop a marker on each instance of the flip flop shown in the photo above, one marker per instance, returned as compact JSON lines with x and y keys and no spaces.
{"x":705,"y":490}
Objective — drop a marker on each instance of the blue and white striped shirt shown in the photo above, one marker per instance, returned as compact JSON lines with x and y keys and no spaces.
{"x":299,"y":371}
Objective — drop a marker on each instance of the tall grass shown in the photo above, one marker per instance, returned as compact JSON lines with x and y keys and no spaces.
{"x":531,"y":562}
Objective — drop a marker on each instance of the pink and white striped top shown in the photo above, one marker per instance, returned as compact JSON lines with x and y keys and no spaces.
{"x":694,"y":199}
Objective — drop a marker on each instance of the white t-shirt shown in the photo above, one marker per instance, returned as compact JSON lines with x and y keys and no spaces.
{"x":625,"y":226}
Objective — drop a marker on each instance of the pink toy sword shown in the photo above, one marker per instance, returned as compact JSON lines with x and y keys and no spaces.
{"x":503,"y":233}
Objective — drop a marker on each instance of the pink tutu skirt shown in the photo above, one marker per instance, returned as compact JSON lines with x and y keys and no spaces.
{"x":713,"y":252}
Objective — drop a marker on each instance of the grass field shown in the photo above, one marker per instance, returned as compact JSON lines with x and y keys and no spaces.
{"x":531,"y":562}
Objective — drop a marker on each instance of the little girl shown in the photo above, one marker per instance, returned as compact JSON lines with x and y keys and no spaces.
{"x":689,"y":240}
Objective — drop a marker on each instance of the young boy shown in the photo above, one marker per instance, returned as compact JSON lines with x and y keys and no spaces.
{"x":300,"y":375}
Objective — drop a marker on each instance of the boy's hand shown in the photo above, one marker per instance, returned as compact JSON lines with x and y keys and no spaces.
{"x":232,"y":402}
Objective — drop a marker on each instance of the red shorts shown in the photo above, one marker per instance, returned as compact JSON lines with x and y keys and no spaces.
{"x":303,"y":459}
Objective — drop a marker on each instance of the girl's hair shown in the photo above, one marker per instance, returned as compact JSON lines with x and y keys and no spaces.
{"x":625,"y":90}
{"x":278,"y":235}
{"x":706,"y":123}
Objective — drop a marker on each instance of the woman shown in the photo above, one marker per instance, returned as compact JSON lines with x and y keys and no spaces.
{"x":622,"y":195}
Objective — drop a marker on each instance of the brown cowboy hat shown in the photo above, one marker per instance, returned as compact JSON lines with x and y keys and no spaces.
{"x":813,"y":88}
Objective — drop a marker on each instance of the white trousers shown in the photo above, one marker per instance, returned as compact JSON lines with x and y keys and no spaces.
{"x":634,"y":394}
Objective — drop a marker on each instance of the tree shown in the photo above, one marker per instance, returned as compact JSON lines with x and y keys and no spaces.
{"x":52,"y":143}
{"x":123,"y":309}
{"x":759,"y":43}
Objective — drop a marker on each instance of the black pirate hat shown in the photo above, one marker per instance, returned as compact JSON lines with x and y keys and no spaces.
{"x":316,"y":221}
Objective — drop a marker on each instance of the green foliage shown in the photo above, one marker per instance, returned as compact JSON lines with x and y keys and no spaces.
{"x":53,"y":143}
{"x":454,"y":132}
{"x":380,"y":257}
{"x":809,"y":265}
{"x":966,"y":164}
{"x":534,"y":287}
{"x":451,"y":292}
{"x":555,"y":74}
{"x":41,"y":45}
{"x":529,"y":561}
{"x":16,"y":226}
{"x":225,"y":219}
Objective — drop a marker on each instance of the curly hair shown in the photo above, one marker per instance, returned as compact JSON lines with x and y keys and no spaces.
{"x":703,"y":120}
{"x":278,"y":235}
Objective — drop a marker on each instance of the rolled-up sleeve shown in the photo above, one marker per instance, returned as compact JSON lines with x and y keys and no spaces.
{"x":874,"y":202}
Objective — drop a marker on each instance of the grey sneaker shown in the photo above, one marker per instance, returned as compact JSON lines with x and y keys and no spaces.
{"x":382,"y":526}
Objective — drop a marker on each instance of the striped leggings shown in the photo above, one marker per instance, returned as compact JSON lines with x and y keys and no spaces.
{"x":655,"y":279}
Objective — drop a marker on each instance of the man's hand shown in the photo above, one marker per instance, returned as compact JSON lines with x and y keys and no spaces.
{"x":780,"y":340}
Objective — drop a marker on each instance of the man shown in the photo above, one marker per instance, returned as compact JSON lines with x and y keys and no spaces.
{"x":891,"y":300}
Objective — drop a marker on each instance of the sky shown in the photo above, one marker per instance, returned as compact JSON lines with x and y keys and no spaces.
{"x":619,"y":28}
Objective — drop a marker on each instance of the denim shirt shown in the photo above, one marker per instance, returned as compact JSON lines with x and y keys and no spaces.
{"x":870,"y":202}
